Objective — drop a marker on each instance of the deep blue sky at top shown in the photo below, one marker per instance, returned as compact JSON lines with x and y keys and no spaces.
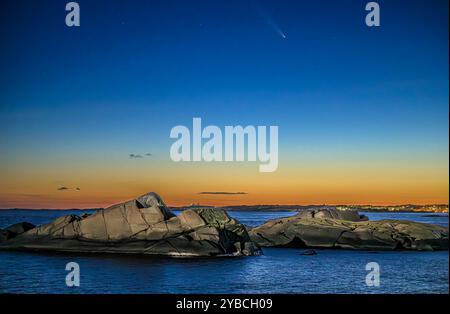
{"x":134,"y":69}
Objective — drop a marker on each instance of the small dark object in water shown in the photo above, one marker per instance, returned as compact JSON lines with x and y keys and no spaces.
{"x":309,"y":252}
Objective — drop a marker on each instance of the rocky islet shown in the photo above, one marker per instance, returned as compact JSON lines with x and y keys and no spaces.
{"x":146,"y":226}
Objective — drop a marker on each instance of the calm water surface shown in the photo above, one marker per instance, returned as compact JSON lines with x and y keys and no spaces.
{"x":277,"y":271}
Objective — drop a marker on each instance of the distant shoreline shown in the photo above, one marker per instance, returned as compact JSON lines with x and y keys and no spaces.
{"x":430,"y":209}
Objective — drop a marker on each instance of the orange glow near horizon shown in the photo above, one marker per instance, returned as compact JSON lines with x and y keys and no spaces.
{"x":85,"y":202}
{"x":180,"y":184}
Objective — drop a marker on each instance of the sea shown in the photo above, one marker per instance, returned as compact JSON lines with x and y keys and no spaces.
{"x":278,"y":270}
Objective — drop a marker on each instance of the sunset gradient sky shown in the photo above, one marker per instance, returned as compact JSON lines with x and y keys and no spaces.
{"x":362,"y":112}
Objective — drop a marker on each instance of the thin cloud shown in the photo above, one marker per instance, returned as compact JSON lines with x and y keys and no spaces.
{"x":63,"y":188}
{"x":136,"y":156}
{"x":223,"y":193}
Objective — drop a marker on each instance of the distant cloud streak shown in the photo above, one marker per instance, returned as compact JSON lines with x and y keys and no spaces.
{"x":137,"y":156}
{"x":223,"y":193}
{"x":63,"y":188}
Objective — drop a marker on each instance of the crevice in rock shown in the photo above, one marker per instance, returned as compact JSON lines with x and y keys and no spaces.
{"x":296,"y":243}
{"x":106,"y":228}
{"x":266,"y":239}
{"x":339,"y":237}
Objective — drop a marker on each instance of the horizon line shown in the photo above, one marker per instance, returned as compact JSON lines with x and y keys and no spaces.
{"x":235,"y":205}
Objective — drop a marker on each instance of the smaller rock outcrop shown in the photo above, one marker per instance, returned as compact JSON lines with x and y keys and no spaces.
{"x":319,"y":229}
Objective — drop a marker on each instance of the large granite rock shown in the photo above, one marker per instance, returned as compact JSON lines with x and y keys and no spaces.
{"x":143,"y":226}
{"x":317,"y":230}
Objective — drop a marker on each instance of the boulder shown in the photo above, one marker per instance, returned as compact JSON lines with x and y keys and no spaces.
{"x":20,"y":227}
{"x":308,"y":230}
{"x":332,"y":212}
{"x":143,"y":226}
{"x":309,"y":252}
{"x":14,"y":230}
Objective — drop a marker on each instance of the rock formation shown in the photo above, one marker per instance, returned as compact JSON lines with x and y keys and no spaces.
{"x":320,"y":229}
{"x":146,"y":226}
{"x":142,"y":226}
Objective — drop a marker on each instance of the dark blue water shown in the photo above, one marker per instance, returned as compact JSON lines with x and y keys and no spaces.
{"x":277,"y":271}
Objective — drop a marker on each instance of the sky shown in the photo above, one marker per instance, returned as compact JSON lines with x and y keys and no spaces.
{"x":362,"y":111}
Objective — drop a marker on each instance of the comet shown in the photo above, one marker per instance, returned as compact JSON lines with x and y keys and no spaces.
{"x":275,"y":27}
{"x":270,"y":21}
